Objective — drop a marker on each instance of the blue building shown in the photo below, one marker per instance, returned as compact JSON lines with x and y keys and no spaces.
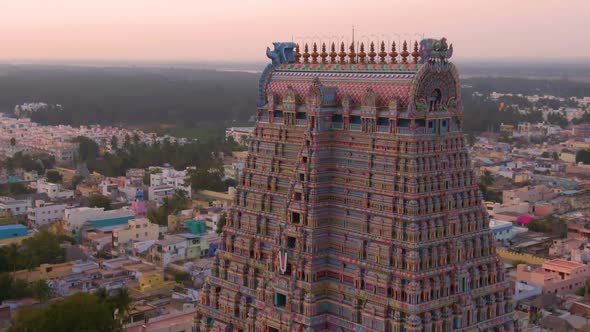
{"x":107,"y":222}
{"x":502,"y":229}
{"x":12,"y":231}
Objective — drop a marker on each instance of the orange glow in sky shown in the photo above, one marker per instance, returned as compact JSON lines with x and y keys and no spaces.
{"x":240,"y":30}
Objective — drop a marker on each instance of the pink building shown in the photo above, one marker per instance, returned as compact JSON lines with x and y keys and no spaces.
{"x":543,"y":209}
{"x":528,"y":194}
{"x":554,"y":276}
{"x":576,"y":231}
{"x":139,"y":206}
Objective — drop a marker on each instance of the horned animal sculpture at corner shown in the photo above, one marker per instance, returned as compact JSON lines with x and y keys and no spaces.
{"x":434,"y":51}
{"x":282,"y":53}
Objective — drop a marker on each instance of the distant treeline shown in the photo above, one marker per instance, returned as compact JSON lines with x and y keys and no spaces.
{"x":187,"y":98}
{"x":559,"y":88}
{"x":127,"y":96}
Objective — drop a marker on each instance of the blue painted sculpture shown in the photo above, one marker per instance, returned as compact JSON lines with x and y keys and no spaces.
{"x":434,"y":51}
{"x":283,"y":53}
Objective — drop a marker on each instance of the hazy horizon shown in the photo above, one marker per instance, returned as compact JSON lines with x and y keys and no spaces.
{"x":239,"y":31}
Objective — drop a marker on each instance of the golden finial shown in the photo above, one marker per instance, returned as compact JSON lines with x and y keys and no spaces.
{"x":333,"y":53}
{"x":351,"y":54}
{"x":342,"y":54}
{"x":324,"y":54}
{"x":405,"y":53}
{"x":415,"y":53}
{"x":305,"y":54}
{"x":362,"y":53}
{"x":393,"y":54}
{"x":297,"y":54}
{"x":314,"y":54}
{"x":382,"y":53}
{"x":372,"y":53}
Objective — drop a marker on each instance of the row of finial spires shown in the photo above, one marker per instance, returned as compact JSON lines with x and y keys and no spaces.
{"x":360,"y":57}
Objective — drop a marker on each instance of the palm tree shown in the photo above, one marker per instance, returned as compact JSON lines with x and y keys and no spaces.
{"x":102,"y":294}
{"x":122,"y":301}
{"x":41,"y":290}
{"x":13,"y":255}
{"x":487,"y":178}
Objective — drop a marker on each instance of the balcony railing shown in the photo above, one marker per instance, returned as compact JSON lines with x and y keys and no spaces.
{"x":301,"y":122}
{"x":337,"y":125}
{"x":355,"y":126}
{"x":383,"y":129}
{"x":408,"y":131}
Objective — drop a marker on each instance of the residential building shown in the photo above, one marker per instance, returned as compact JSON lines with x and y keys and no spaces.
{"x":358,"y":196}
{"x":158,"y":193}
{"x":168,"y":176}
{"x":44,"y":272}
{"x":139,"y":205}
{"x":554,"y":276}
{"x":529,"y":194}
{"x":568,"y":157}
{"x":196,"y":245}
{"x":136,"y":230}
{"x":55,"y":191}
{"x":502,"y":229}
{"x":13,"y":206}
{"x":43,"y":213}
{"x":171,"y":249}
{"x":582,"y":131}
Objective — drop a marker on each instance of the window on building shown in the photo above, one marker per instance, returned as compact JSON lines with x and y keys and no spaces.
{"x":382,"y":121}
{"x":291,"y":242}
{"x":297,"y":196}
{"x":296,"y":218}
{"x":280,"y":300}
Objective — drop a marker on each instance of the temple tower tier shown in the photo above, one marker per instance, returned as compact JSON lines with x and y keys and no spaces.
{"x":358,"y":208}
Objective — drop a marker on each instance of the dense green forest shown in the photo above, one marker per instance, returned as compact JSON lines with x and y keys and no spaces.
{"x":129,"y":95}
{"x":189,"y":99}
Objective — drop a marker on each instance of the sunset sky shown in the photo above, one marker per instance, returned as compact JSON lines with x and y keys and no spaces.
{"x":240,"y":30}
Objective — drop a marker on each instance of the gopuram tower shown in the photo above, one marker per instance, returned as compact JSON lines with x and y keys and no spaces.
{"x":358,"y":208}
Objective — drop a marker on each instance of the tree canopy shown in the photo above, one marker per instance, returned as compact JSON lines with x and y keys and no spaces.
{"x":43,"y":247}
{"x":53,"y":176}
{"x":78,"y":312}
{"x":179,"y":201}
{"x":99,"y":201}
{"x":583,"y":156}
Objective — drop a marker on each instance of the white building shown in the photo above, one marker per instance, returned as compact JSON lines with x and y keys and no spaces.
{"x":168,"y":176}
{"x":158,"y":193}
{"x":168,"y":250}
{"x":240,"y":134}
{"x":13,"y":206}
{"x":53,"y":190}
{"x":43,"y":213}
{"x":75,"y":218}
